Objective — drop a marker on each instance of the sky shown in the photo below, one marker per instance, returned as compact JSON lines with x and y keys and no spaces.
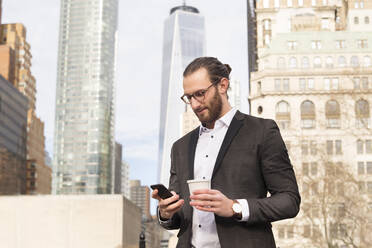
{"x":139,"y":60}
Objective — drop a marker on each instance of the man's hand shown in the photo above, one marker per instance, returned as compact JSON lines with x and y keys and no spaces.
{"x":168,"y":207}
{"x":212,"y":201}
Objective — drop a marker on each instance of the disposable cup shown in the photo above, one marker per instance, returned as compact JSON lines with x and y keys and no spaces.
{"x":198,"y":184}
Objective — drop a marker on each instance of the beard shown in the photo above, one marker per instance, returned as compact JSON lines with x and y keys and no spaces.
{"x":211,"y":111}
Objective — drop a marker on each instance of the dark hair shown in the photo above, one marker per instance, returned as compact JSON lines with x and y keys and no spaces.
{"x":216,"y":70}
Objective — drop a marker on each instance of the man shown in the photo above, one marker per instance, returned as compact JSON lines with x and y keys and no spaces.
{"x":243,"y":156}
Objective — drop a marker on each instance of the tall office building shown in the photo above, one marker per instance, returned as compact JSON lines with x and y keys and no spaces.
{"x":184,"y":40}
{"x":13,"y":128}
{"x":252,"y":41}
{"x":314,"y":79}
{"x":15,"y":57}
{"x":84,"y":120}
{"x":125,"y":185}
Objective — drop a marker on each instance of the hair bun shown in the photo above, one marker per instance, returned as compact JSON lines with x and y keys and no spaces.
{"x":228,"y":68}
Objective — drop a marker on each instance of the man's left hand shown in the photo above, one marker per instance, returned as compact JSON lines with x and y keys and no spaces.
{"x":212,"y":201}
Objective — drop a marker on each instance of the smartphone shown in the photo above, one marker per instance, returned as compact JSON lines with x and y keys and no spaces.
{"x":163,"y":192}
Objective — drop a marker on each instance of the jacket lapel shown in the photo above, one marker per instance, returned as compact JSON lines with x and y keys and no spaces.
{"x":191,"y":151}
{"x":233,"y":129}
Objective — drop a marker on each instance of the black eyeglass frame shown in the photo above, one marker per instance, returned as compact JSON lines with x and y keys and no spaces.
{"x":187,"y":97}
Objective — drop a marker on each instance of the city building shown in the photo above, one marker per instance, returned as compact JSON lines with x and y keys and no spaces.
{"x":38,"y":178}
{"x":184,"y":40}
{"x":314,"y":79}
{"x":73,"y":221}
{"x":84,"y":143}
{"x":125,"y":185}
{"x":15,"y":57}
{"x":13,"y":128}
{"x":140,"y":195}
{"x":118,"y":168}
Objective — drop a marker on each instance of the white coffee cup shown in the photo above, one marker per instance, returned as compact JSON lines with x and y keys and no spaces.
{"x":198,"y":184}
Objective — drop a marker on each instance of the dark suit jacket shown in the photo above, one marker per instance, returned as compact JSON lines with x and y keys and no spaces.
{"x":252,"y":161}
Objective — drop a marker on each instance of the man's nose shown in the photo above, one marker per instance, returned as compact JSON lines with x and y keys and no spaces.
{"x":194,"y":103}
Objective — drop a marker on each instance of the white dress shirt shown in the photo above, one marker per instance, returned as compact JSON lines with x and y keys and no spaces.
{"x":204,"y":232}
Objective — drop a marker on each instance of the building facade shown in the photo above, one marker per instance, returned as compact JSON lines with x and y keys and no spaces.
{"x":13,"y":128}
{"x":118,"y":168}
{"x":125,"y":185}
{"x":184,"y":40}
{"x":84,"y":144}
{"x":74,"y":221}
{"x":15,"y":57}
{"x":140,"y":195}
{"x":314,"y":79}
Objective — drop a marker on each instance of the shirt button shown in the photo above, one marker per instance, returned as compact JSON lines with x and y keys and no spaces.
{"x":203,"y":177}
{"x":212,"y":136}
{"x":206,"y":156}
{"x":199,"y":225}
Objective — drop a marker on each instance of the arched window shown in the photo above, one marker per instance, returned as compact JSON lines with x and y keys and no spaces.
{"x":282,"y":115}
{"x":362,"y":114}
{"x":305,"y":63}
{"x":281,"y":63}
{"x":367,"y":61}
{"x":341,"y":61}
{"x":292,"y":62}
{"x":332,"y":110}
{"x":354,"y":61}
{"x":317,"y":62}
{"x":307,"y":114}
{"x":329,"y":62}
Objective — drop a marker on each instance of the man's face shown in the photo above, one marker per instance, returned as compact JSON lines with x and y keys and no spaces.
{"x":208,"y":110}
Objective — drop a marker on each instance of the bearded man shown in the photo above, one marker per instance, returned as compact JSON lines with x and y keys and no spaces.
{"x":244,"y":157}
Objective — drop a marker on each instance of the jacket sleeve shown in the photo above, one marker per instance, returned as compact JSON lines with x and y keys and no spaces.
{"x":284,"y":200}
{"x":175,"y":221}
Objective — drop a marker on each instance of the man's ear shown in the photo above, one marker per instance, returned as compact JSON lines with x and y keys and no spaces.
{"x":224,"y":85}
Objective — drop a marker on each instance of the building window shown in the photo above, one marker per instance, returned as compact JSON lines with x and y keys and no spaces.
{"x":356,"y":82}
{"x":316,"y":44}
{"x":289,"y":3}
{"x":325,"y":23}
{"x":292,"y":63}
{"x":292,"y":45}
{"x":283,"y":114}
{"x":366,"y":20}
{"x":305,"y":62}
{"x":281,"y":63}
{"x":285,"y":84}
{"x":267,"y":24}
{"x":362,"y":114}
{"x":334,"y":147}
{"x":300,"y":3}
{"x":278,"y":84}
{"x":362,"y":43}
{"x":325,"y":2}
{"x":313,"y":2}
{"x":341,"y":61}
{"x":329,"y":62}
{"x":276,"y":3}
{"x":317,"y":62}
{"x":367,"y":61}
{"x":340,"y":44}
{"x":359,"y":146}
{"x":266,"y":3}
{"x":307,"y":114}
{"x":356,"y":20}
{"x":354,"y":61}
{"x":365,"y":168}
{"x":333,"y":114}
{"x":364,"y":83}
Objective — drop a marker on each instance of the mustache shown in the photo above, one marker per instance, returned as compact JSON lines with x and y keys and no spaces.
{"x":199,"y":109}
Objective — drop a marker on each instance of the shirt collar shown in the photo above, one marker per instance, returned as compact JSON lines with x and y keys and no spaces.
{"x":224,"y":120}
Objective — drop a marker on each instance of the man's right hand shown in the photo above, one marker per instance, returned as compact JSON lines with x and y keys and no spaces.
{"x":168,"y":207}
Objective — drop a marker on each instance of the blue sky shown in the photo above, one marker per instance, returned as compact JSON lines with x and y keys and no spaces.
{"x":139,"y":59}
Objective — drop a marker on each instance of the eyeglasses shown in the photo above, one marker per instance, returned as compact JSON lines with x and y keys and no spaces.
{"x":198,"y":95}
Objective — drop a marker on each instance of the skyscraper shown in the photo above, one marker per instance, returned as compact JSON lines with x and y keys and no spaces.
{"x":184,"y":40}
{"x":84,"y":120}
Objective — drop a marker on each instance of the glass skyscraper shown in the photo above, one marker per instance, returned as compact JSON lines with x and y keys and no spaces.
{"x":184,"y":40}
{"x":84,"y":121}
